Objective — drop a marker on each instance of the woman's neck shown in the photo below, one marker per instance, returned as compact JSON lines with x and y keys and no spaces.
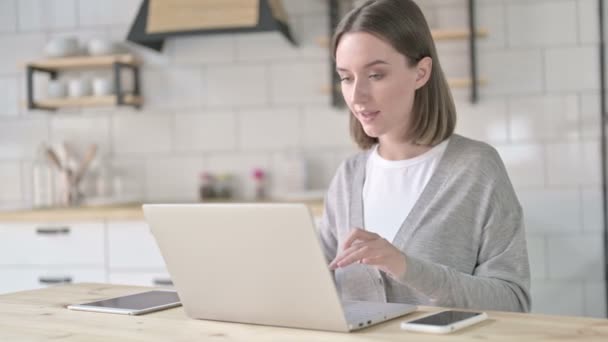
{"x":400,"y":150}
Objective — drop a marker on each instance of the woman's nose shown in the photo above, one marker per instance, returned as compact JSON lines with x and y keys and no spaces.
{"x":360,"y":92}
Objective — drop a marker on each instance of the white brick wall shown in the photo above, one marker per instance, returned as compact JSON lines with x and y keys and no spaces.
{"x":230,"y":103}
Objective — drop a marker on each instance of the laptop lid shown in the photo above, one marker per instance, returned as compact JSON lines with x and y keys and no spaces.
{"x":248,"y":263}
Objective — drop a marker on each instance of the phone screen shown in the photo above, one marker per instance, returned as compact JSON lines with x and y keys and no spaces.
{"x":445,"y":318}
{"x":139,"y":301}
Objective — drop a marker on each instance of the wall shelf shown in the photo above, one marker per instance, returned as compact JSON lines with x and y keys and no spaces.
{"x":84,"y":62}
{"x":88,"y":101}
{"x":52,"y":67}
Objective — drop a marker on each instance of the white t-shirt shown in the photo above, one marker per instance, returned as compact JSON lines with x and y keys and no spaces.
{"x":392,"y":187}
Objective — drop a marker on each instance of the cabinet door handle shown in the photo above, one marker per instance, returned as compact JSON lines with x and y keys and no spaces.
{"x":61,"y":230}
{"x":54,"y":280}
{"x":163,"y":282}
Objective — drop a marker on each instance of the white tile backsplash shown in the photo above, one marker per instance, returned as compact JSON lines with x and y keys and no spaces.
{"x":237,"y":85}
{"x":18,"y":49}
{"x":537,"y":256}
{"x":202,"y":131}
{"x":9,"y":95}
{"x":590,"y":116}
{"x":10,"y":174}
{"x":300,"y":83}
{"x":269,"y":130}
{"x":558,"y":297}
{"x":563,"y":206}
{"x":141,"y":133}
{"x":575,"y":257}
{"x":524,"y":163}
{"x":544,"y":118}
{"x":46,"y":14}
{"x":93,"y":13}
{"x":200,"y":50}
{"x":173,"y":179}
{"x":517,"y":71}
{"x":572,"y":68}
{"x":558,"y":27}
{"x":564,"y":164}
{"x":82,"y":131}
{"x":180,"y":87}
{"x":588,"y":21}
{"x":591,"y":163}
{"x":485,"y":120}
{"x":324,"y":127}
{"x":276,"y":47}
{"x":595,"y":299}
{"x":593,"y":219}
{"x":8,"y":16}
{"x":21,"y":139}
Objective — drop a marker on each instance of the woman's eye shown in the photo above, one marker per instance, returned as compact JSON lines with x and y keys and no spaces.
{"x":375,"y":76}
{"x":344,"y":78}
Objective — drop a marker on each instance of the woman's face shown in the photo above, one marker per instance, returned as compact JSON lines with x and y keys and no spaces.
{"x":378,"y":85}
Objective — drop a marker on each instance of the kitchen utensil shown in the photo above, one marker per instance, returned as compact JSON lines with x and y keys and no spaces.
{"x":79,"y":88}
{"x":102,"y":86}
{"x":84,"y":164}
{"x":61,"y":47}
{"x":100,"y":47}
{"x":56,"y":89}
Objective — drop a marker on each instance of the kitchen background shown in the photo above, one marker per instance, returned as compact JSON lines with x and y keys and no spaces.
{"x":231,"y":103}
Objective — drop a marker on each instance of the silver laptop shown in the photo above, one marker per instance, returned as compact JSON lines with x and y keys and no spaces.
{"x":256,"y":263}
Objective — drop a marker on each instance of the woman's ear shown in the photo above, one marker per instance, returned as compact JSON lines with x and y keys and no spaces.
{"x":423,"y":71}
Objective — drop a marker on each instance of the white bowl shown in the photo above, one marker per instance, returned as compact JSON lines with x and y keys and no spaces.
{"x":61,"y":47}
{"x":100,"y":47}
{"x":79,"y":88}
{"x":56,"y":89}
{"x":102,"y":86}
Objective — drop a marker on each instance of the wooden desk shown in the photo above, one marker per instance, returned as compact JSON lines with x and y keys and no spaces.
{"x":40,"y":315}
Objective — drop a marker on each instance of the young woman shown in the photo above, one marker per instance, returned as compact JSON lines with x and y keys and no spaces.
{"x":421,"y":215}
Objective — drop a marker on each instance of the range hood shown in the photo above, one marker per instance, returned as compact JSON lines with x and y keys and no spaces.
{"x":158,"y":19}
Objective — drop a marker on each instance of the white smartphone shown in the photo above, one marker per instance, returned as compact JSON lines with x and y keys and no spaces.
{"x":444,"y":322}
{"x":135,"y":304}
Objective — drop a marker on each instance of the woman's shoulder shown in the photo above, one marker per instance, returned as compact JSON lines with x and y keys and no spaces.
{"x":354,"y":162}
{"x":473,"y":154}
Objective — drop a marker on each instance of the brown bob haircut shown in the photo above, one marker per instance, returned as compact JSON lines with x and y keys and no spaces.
{"x":402,"y":24}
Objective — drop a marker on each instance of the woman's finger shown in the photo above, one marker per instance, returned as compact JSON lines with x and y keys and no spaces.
{"x":358,"y":234}
{"x":344,"y":253}
{"x":356,"y":256}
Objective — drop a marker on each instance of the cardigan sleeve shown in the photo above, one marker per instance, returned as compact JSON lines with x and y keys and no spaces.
{"x":501,"y":277}
{"x":327,"y":229}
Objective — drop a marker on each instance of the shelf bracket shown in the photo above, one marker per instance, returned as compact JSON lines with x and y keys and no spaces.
{"x":120,"y":94}
{"x":31,"y":70}
{"x":473,"y":52}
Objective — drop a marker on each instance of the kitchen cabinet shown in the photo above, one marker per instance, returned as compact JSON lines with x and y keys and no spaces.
{"x":56,"y":244}
{"x":40,"y":254}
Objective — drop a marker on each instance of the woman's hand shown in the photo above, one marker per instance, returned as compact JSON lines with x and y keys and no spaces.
{"x":371,"y":249}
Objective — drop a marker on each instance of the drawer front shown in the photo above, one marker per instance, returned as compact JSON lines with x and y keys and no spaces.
{"x":69,"y":244}
{"x":14,"y":279}
{"x":158,"y":279}
{"x":132,"y":246}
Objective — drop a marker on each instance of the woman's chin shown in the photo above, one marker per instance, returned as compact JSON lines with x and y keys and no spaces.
{"x":371,"y":132}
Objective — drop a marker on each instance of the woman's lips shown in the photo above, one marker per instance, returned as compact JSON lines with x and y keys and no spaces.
{"x":368,"y":116}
